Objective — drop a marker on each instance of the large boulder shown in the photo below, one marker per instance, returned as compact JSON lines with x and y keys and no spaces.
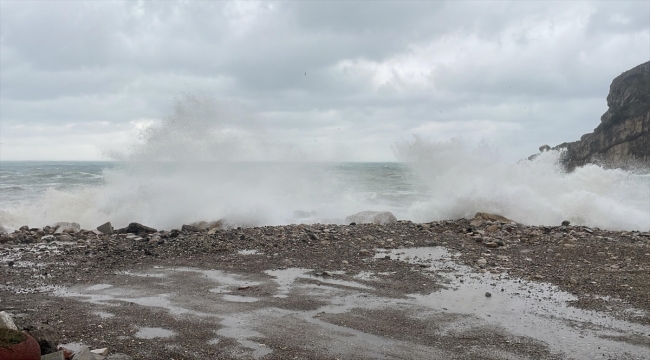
{"x":481,"y":218}
{"x":66,"y":227}
{"x":137,"y":228}
{"x":372,"y":217}
{"x":623,"y":137}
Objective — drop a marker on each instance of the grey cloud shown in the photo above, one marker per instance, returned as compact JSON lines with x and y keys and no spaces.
{"x":497,"y":62}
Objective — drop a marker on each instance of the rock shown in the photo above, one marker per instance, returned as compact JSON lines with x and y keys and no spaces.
{"x":24,"y":228}
{"x":46,"y":335}
{"x":106,"y":228}
{"x":49,"y":238}
{"x":544,"y":148}
{"x":488,"y":294}
{"x":491,"y":245}
{"x":190,"y":228}
{"x":59,"y":355}
{"x":65,"y":237}
{"x":481,"y":261}
{"x":622,"y":139}
{"x":372,"y":217}
{"x":6,"y":322}
{"x":83,"y":354}
{"x":492,"y":228}
{"x":566,"y":223}
{"x":204,"y":225}
{"x":102,"y":351}
{"x":480,"y":218}
{"x":66,"y":227}
{"x":137,"y":228}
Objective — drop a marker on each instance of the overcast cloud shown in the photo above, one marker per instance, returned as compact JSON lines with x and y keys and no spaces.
{"x":344,"y":80}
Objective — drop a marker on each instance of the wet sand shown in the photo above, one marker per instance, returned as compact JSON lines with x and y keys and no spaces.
{"x":448,"y":290}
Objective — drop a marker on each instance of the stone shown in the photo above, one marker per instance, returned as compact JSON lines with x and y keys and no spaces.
{"x":492,"y":228}
{"x":102,"y":351}
{"x":204,"y":225}
{"x":66,"y":227}
{"x":46,"y":335}
{"x":65,"y":237}
{"x":488,"y":294}
{"x":622,"y":139}
{"x":59,"y":355}
{"x":106,"y":228}
{"x":137,"y":228}
{"x":491,"y":245}
{"x":83,"y":354}
{"x":24,"y":228}
{"x":481,"y":261}
{"x":49,"y":238}
{"x":6,"y":322}
{"x":190,"y":228}
{"x":566,"y":223}
{"x":480,"y":218}
{"x":372,"y":217}
{"x":544,"y":148}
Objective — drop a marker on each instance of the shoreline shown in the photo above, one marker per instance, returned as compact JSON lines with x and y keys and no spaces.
{"x":588,"y":270}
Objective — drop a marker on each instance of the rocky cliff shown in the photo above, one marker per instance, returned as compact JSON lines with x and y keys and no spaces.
{"x":623,"y":137}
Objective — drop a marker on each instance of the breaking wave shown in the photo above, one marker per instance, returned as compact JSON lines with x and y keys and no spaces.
{"x":208,"y":160}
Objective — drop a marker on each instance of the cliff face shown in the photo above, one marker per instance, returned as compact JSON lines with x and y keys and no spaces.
{"x":623,"y":137}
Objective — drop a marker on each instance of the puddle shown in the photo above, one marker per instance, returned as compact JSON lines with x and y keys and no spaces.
{"x":104,"y":314}
{"x":153,"y":333}
{"x":235,"y":298}
{"x":99,"y":287}
{"x":285,"y":278}
{"x":238,"y":328}
{"x":536,"y":310}
{"x":249,"y":252}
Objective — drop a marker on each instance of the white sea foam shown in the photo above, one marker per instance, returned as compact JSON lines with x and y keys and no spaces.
{"x":205,"y":163}
{"x":462,"y":182}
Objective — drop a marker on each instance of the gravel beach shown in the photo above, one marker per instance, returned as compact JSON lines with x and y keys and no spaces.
{"x":463,"y":289}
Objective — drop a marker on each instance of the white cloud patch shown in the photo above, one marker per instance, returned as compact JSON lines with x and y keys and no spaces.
{"x":336,"y":80}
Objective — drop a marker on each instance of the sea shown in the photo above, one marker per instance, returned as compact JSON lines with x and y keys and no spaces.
{"x":434,"y":182}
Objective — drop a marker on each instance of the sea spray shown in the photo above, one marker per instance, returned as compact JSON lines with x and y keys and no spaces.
{"x":462,"y":181}
{"x":210,"y":160}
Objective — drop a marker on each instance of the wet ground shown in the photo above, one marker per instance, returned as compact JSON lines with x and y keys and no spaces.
{"x":420,"y":302}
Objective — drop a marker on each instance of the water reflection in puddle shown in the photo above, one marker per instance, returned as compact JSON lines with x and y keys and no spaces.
{"x":153,"y":332}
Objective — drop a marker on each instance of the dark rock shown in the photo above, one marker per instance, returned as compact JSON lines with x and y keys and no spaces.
{"x":190,"y":228}
{"x":566,"y":223}
{"x":137,"y":228}
{"x":106,"y":228}
{"x":487,"y":294}
{"x":46,"y":335}
{"x":623,"y":137}
{"x":24,"y":228}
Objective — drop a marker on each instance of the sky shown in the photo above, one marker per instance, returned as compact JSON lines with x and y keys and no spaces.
{"x":331,"y":81}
